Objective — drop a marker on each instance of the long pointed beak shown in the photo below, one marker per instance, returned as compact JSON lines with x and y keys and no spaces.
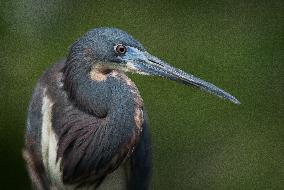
{"x":145,"y":63}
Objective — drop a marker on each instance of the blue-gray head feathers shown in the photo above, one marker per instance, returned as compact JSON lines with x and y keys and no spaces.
{"x":99,"y":45}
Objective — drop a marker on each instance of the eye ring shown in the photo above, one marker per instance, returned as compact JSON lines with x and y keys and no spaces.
{"x":120,"y":49}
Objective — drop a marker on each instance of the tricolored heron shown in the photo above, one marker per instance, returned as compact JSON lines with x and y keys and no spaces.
{"x":86,"y":125}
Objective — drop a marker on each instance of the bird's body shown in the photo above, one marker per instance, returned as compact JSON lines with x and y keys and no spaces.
{"x":54,"y":119}
{"x":86,"y":126}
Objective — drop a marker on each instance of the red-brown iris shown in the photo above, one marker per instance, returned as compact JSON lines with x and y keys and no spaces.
{"x":120,"y":49}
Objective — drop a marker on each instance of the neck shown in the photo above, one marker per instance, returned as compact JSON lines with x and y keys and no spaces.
{"x":88,"y":95}
{"x":114,"y":104}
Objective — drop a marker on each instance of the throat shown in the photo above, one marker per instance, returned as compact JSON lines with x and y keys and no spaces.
{"x":88,"y":91}
{"x":99,"y":73}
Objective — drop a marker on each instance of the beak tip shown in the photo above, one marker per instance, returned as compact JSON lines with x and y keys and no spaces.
{"x":235,"y":101}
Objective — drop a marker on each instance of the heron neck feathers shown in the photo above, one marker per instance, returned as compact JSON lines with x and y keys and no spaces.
{"x":111,"y":127}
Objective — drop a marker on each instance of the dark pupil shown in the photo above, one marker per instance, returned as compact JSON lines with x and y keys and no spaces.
{"x":121,"y":49}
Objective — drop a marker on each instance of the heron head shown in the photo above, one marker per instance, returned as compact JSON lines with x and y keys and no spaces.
{"x":113,"y":49}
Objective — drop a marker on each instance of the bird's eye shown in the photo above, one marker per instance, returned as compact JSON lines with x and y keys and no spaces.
{"x":120,"y":49}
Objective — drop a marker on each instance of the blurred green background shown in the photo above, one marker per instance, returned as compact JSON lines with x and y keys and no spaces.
{"x":199,"y":141}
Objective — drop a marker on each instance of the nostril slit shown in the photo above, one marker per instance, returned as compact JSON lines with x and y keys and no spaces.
{"x":156,"y":62}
